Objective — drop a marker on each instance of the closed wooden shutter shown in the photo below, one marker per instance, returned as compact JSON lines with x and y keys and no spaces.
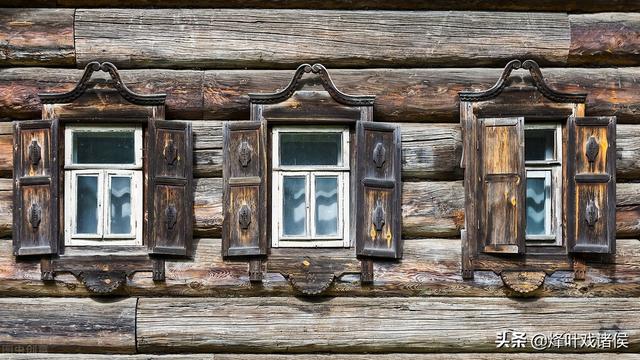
{"x":245,"y":200}
{"x":170,"y":188}
{"x":378,"y":210}
{"x":591,"y":194}
{"x":35,"y":172}
{"x":501,"y":195}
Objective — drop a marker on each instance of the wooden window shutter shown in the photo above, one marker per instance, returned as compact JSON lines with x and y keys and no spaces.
{"x":501,"y":195}
{"x":378,"y":210}
{"x":591,"y":193}
{"x":170,"y":188}
{"x":35,"y":187}
{"x":245,"y":200}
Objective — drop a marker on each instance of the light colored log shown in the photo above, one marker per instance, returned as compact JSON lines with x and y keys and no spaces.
{"x":285,"y":38}
{"x":69,"y":325}
{"x":370,"y":325}
{"x":36,"y":37}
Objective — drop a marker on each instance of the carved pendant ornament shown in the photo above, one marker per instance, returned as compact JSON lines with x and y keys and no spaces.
{"x":35,"y":215}
{"x":592,"y":149}
{"x":34,"y":152}
{"x":591,"y":214}
{"x":523,"y":282}
{"x":170,"y":153}
{"x":103,"y":282}
{"x":244,"y":153}
{"x":244,"y":217}
{"x":379,"y":155}
{"x":171,"y":216}
{"x":377,"y":217}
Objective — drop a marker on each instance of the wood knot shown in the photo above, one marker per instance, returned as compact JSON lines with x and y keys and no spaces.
{"x":523,"y":282}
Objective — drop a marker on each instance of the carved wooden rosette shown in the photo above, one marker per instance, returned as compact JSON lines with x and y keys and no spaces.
{"x":523,"y":282}
{"x":495,"y":175}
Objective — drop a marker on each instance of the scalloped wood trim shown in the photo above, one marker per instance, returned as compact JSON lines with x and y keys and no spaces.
{"x":523,"y":282}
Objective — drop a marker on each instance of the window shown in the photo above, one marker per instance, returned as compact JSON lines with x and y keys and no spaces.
{"x":103,"y":185}
{"x":543,"y":162}
{"x":310,"y":187}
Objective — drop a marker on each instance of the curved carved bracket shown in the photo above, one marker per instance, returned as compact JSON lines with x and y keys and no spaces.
{"x":83,"y":84}
{"x":538,"y":82}
{"x":327,"y":84}
{"x":34,"y":152}
{"x":35,"y":215}
{"x":523,"y":282}
{"x":103,"y":282}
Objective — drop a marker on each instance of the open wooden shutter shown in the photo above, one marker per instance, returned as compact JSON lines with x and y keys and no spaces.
{"x":170,"y":188}
{"x":245,"y":200}
{"x":35,"y":187}
{"x":591,"y":193}
{"x":501,"y":195}
{"x":378,"y":210}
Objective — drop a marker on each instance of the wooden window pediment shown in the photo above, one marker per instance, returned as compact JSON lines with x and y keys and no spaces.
{"x":94,"y":212}
{"x":515,"y":199}
{"x":366,"y":190}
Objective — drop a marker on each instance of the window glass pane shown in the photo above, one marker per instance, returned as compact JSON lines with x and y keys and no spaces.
{"x":539,"y":144}
{"x":102,"y":147}
{"x":311,"y":148}
{"x":294,"y":207}
{"x":326,"y":205}
{"x":87,"y":206}
{"x":537,"y":194}
{"x":120,"y":205}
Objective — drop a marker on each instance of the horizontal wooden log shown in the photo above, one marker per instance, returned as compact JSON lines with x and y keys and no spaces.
{"x":285,"y":38}
{"x":370,"y":325}
{"x":402,"y":95}
{"x":430,"y":267}
{"x":394,"y":356}
{"x":429,"y":209}
{"x":68,"y":325}
{"x":36,"y":37}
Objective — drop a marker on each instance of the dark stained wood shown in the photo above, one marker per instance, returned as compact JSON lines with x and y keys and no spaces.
{"x":591,"y":191}
{"x":425,"y":324}
{"x":598,"y":38}
{"x":402,"y":95}
{"x":170,"y":196}
{"x":37,"y":37}
{"x":69,"y":325}
{"x":181,"y":38}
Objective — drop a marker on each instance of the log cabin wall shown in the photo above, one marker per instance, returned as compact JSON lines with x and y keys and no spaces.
{"x":414,"y":57}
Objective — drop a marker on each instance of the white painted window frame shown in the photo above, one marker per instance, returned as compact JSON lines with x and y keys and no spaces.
{"x":551,"y":170}
{"x":104,"y":172}
{"x":341,"y":171}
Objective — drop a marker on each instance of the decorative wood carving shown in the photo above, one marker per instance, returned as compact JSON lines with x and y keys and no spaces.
{"x":83,"y":85}
{"x":170,"y":153}
{"x":35,"y":215}
{"x":592,"y":213}
{"x":378,"y":217}
{"x":171,"y":216}
{"x":310,"y":279}
{"x":103,"y":282}
{"x":523,"y":282}
{"x":327,"y":84}
{"x":592,"y":149}
{"x":244,"y":153}
{"x":379,"y":154}
{"x":244,"y":217}
{"x":34,"y":152}
{"x":538,"y":82}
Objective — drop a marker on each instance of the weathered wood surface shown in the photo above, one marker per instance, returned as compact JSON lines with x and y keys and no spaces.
{"x":402,"y":95}
{"x":37,"y":37}
{"x":371,"y":325}
{"x":69,"y":325}
{"x":429,"y":209}
{"x":394,"y":356}
{"x":430,"y":267}
{"x":182,"y":38}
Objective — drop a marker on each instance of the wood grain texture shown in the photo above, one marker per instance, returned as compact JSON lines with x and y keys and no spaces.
{"x":598,"y":38}
{"x":430,"y":267}
{"x":182,"y":38}
{"x":394,"y":356}
{"x":69,"y":325}
{"x":37,"y":37}
{"x":432,"y":324}
{"x":402,"y":95}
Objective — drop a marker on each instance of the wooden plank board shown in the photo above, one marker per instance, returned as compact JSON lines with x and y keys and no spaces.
{"x":430,"y":267}
{"x":597,"y":38}
{"x":394,"y":356}
{"x":69,"y":325}
{"x":402,"y":95}
{"x":183,"y":38}
{"x":37,"y":37}
{"x":371,"y":325}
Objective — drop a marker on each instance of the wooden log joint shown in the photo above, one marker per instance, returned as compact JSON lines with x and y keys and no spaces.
{"x":523,"y":282}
